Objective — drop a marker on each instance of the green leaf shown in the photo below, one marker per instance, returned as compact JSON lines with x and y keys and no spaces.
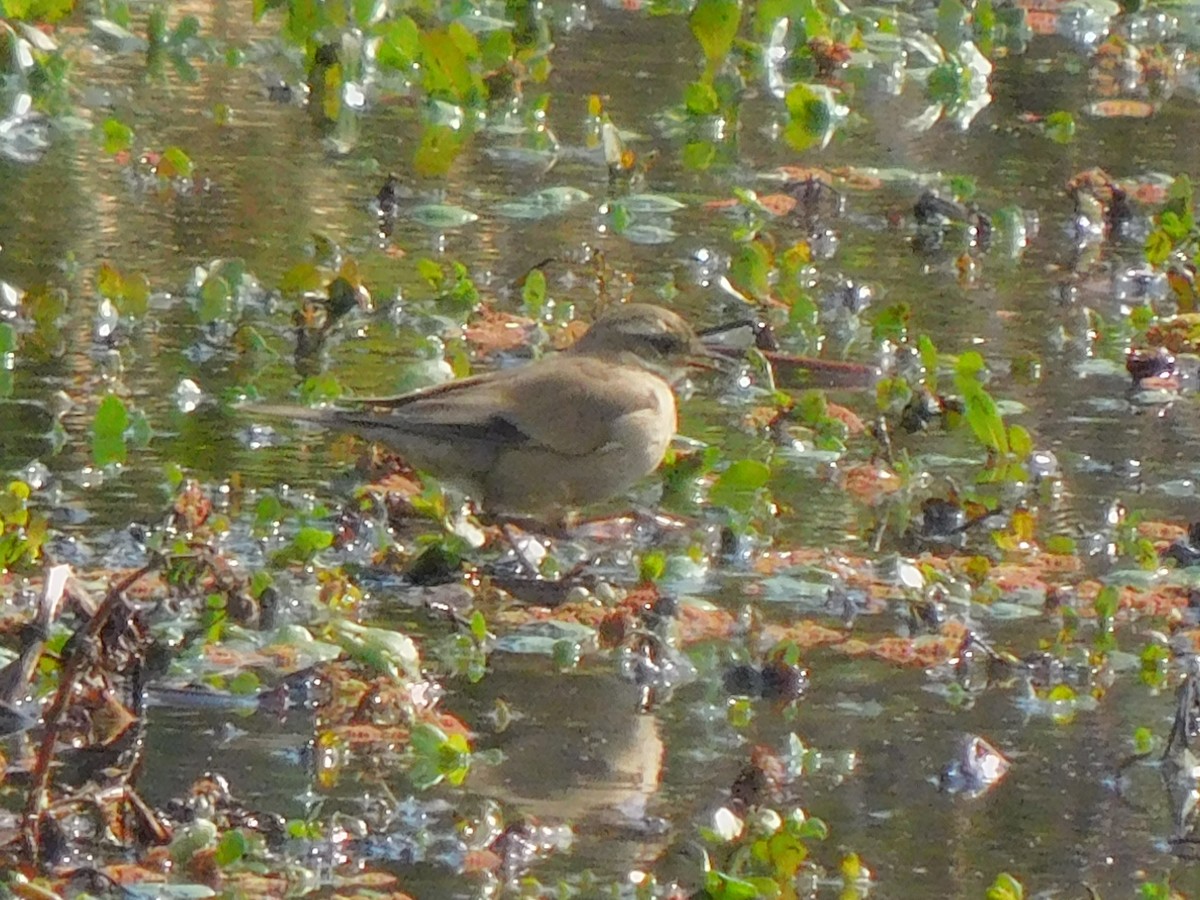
{"x":983,"y":416}
{"x":715,"y":24}
{"x":497,"y":50}
{"x":1181,"y":197}
{"x":751,"y":270}
{"x":811,"y":111}
{"x":566,"y":655}
{"x":135,"y":300}
{"x":174,"y":163}
{"x":108,"y":431}
{"x":891,"y":323}
{"x":36,"y":10}
{"x":7,"y":343}
{"x":701,"y":100}
{"x":981,"y":411}
{"x":427,"y":739}
{"x":738,"y":484}
{"x":302,"y":278}
{"x":214,"y":299}
{"x":188,"y":28}
{"x":109,"y":282}
{"x":1143,"y":740}
{"x":478,"y":626}
{"x":719,"y":885}
{"x":810,"y":17}
{"x":268,"y":512}
{"x":621,"y":217}
{"x":985,"y":21}
{"x":259,"y":582}
{"x":190,"y":839}
{"x":1005,"y":887}
{"x":118,"y":136}
{"x":1174,"y":225}
{"x":1060,"y":127}
{"x":446,"y":67}
{"x":399,"y":44}
{"x":963,"y":187}
{"x":929,"y":361}
{"x":652,"y":566}
{"x":947,"y":83}
{"x":1019,"y":442}
{"x":173,"y":474}
{"x":439,"y":147}
{"x":156,"y":28}
{"x":232,"y":847}
{"x":813,"y":829}
{"x":245,"y":684}
{"x":970,"y":364}
{"x":309,"y":541}
{"x":1107,"y":602}
{"x":699,"y":155}
{"x":1061,"y":545}
{"x":785,"y":852}
{"x":431,"y":272}
{"x":1158,"y":247}
{"x":533,"y":292}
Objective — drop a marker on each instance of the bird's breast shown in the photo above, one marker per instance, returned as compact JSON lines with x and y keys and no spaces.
{"x":635,"y":439}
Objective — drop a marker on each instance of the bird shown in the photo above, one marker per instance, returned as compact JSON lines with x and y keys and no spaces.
{"x":546,"y":438}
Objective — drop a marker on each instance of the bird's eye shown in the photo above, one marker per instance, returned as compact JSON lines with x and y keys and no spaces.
{"x":665,"y":344}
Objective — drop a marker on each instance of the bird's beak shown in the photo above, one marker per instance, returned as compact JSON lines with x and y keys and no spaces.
{"x":730,"y":341}
{"x":699,"y":355}
{"x":738,"y":335}
{"x":704,"y":361}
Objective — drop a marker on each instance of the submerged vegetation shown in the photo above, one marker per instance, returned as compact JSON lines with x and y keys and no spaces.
{"x":909,"y":609}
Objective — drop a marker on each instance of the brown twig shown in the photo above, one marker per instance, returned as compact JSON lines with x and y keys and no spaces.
{"x":812,"y":371}
{"x":74,"y":668}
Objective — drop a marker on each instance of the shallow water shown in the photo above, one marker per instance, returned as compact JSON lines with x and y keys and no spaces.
{"x":634,"y":783}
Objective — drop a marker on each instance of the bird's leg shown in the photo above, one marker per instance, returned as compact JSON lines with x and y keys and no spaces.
{"x":558,"y":528}
{"x":509,"y":530}
{"x":661,"y":521}
{"x":627,"y":525}
{"x":511,"y":527}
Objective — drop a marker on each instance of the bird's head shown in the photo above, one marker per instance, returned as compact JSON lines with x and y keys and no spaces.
{"x":651,"y":333}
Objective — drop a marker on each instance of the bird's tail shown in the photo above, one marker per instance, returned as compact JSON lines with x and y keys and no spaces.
{"x":367,"y":424}
{"x":328,"y":418}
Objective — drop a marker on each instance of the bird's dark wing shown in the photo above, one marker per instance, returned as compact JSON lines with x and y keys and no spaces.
{"x":568,"y":404}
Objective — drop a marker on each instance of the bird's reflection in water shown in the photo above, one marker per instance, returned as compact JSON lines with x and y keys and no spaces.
{"x":578,"y":752}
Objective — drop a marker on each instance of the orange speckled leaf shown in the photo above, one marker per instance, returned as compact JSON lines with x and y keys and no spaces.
{"x":697,"y":624}
{"x":1042,"y":22}
{"x":869,"y":483}
{"x":1127,"y":109}
{"x":480,"y":861}
{"x":1161,"y":531}
{"x":847,"y":417}
{"x":493,"y":331}
{"x":806,"y":635}
{"x":395,"y":735}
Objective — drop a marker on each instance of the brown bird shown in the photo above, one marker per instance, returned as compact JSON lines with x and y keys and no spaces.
{"x":557,"y":434}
